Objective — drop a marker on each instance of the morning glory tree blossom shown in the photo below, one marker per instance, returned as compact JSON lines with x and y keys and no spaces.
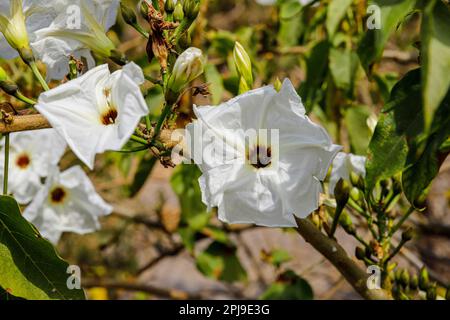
{"x":19,"y":20}
{"x":67,"y":203}
{"x":79,"y":28}
{"x":32,"y":155}
{"x":262,"y":182}
{"x":96,"y":112}
{"x":343,"y":165}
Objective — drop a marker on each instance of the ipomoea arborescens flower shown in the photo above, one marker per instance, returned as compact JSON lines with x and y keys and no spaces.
{"x":67,"y":203}
{"x":79,"y":28}
{"x":260,"y":181}
{"x":96,"y":112}
{"x":189,"y":66}
{"x":343,"y":165}
{"x":19,"y":19}
{"x":32,"y":155}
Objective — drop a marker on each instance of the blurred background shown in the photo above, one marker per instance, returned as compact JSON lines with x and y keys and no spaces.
{"x":161,"y":243}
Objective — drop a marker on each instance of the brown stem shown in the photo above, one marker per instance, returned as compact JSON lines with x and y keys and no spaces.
{"x":331,"y":250}
{"x":25,"y":123}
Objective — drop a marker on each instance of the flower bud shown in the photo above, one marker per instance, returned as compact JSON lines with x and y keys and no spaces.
{"x":13,"y":27}
{"x":431,"y":293}
{"x":128,"y":14}
{"x":243,"y":64}
{"x":408,"y":234}
{"x":277,"y":84}
{"x":178,"y":13}
{"x":404,"y":278}
{"x":424,"y":279}
{"x":189,"y":66}
{"x":191,"y":9}
{"x":143,"y":9}
{"x":414,"y":283}
{"x":342,"y":192}
{"x":355,"y":194}
{"x":169,"y":6}
{"x":347,"y":223}
{"x":3,"y":75}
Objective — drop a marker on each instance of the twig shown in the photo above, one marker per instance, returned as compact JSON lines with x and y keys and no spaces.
{"x":331,"y":250}
{"x":157,"y":291}
{"x":168,"y":253}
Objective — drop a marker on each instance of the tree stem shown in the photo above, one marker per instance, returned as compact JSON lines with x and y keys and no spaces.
{"x":6,"y":167}
{"x":331,"y":250}
{"x":38,"y":75}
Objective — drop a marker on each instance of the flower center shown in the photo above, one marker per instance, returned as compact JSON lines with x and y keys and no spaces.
{"x":260,"y":157}
{"x":23,"y":161}
{"x":109,"y":117}
{"x":57,"y":195}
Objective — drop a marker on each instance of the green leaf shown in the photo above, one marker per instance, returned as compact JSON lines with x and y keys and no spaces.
{"x":423,"y":164}
{"x":435,"y":50}
{"x":343,"y":67}
{"x":289,"y":286}
{"x":358,"y":130}
{"x":406,"y":104}
{"x":392,"y":12}
{"x":29,"y":265}
{"x":291,"y":26}
{"x":220,"y":262}
{"x":144,"y":170}
{"x":216,"y":83}
{"x":316,"y":70}
{"x":387,"y":152}
{"x":335,"y":14}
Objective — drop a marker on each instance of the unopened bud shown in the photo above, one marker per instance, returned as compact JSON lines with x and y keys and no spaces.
{"x":424,"y":279}
{"x":3,"y":75}
{"x":243,"y":63}
{"x":342,"y":193}
{"x":178,"y":13}
{"x":408,"y":234}
{"x":189,"y":66}
{"x":143,"y":9}
{"x":355,"y":194}
{"x":431,"y":293}
{"x":128,"y":14}
{"x":169,"y":6}
{"x":404,"y":278}
{"x":414,"y":283}
{"x":347,"y":223}
{"x":277,"y":84}
{"x":191,"y":9}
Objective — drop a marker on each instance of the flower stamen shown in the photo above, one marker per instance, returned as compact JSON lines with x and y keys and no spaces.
{"x":23,"y":161}
{"x":57,"y":195}
{"x":260,"y":157}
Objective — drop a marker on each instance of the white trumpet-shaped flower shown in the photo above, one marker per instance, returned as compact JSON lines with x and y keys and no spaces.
{"x":32,"y":154}
{"x":96,"y":112}
{"x":189,"y":65}
{"x":265,"y":181}
{"x":67,"y":203}
{"x":343,"y":165}
{"x":79,"y":28}
{"x":19,"y":19}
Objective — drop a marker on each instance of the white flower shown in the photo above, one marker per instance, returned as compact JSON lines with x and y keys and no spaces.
{"x":343,"y":165}
{"x":32,"y":154}
{"x":189,"y":65}
{"x":67,"y":203}
{"x":80,"y":27}
{"x":96,"y":112}
{"x":19,"y":19}
{"x":285,"y":178}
